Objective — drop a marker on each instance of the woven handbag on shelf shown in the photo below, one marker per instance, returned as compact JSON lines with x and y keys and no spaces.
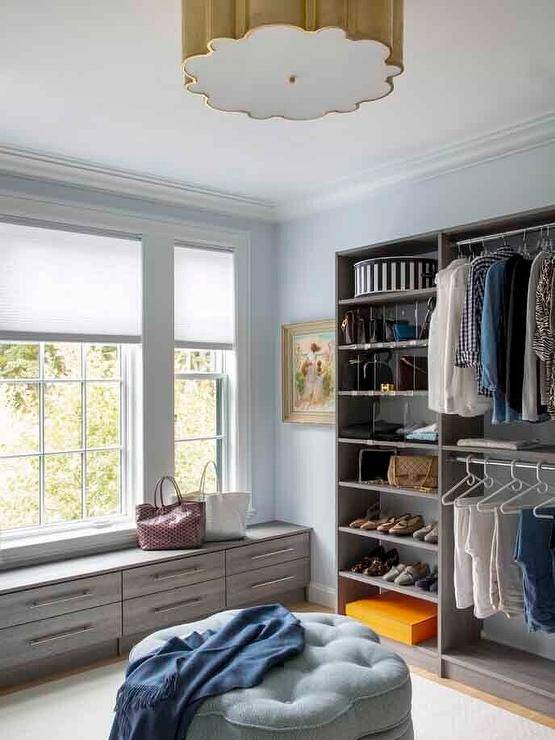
{"x":177,"y":526}
{"x":413,"y":471}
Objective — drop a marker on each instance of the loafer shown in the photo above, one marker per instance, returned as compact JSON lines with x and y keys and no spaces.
{"x":423,"y":531}
{"x":426,"y":583}
{"x":373,"y":512}
{"x":379,"y":566}
{"x":373,"y":524}
{"x":392,"y":521}
{"x":395,"y":571}
{"x":432,"y":535}
{"x":406,"y":527}
{"x":412,"y":573}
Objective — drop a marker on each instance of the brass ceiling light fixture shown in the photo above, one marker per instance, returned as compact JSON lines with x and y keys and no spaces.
{"x":292,"y":59}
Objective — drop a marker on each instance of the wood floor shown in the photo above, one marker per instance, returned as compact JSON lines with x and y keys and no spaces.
{"x":310,"y":607}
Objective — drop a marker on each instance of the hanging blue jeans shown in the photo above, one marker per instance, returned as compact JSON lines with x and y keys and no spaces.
{"x":535,"y":556}
{"x":493,"y":343}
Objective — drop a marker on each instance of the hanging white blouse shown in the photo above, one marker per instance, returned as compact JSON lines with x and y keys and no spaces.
{"x":452,"y":389}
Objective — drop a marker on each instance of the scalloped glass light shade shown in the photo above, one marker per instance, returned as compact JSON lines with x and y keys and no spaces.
{"x":287,"y":72}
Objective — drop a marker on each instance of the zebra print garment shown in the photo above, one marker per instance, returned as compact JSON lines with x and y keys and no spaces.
{"x":544,"y":337}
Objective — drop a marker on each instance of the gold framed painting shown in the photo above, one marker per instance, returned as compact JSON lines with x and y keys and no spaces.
{"x":308,"y":372}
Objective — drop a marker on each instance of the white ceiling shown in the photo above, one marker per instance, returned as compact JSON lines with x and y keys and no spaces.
{"x":100,"y":81}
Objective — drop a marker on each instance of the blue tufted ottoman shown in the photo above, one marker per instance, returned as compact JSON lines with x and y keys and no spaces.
{"x":345,"y":686}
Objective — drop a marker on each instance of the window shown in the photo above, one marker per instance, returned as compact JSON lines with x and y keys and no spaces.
{"x":201,"y":430}
{"x":62,"y":433}
{"x":70,"y":319}
{"x":204,"y":397}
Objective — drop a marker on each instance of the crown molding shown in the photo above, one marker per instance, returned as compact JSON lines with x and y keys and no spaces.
{"x":531,"y":134}
{"x":504,"y":142}
{"x":77,"y":173}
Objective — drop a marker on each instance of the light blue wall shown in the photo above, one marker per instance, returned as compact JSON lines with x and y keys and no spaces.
{"x":305,"y":455}
{"x":264,"y":297}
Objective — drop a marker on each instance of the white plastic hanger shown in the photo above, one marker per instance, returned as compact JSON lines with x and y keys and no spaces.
{"x":469,"y":479}
{"x":540,"y":485}
{"x":514,"y":483}
{"x":487,"y":482}
{"x":541,"y":506}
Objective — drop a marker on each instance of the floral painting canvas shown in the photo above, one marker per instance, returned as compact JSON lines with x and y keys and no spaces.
{"x":308,"y":372}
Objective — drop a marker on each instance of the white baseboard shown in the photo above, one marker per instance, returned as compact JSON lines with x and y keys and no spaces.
{"x":323,"y":595}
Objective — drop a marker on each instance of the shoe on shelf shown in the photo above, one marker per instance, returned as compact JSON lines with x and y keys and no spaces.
{"x":406,"y":527}
{"x":373,"y":512}
{"x":421,"y":533}
{"x":372,"y":524}
{"x":364,"y":562}
{"x":412,"y":573}
{"x":379,"y":566}
{"x":395,"y":571}
{"x":432,"y":535}
{"x":426,"y":583}
{"x":392,"y":521}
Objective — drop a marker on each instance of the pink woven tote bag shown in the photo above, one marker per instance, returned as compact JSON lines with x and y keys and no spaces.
{"x":178,"y":526}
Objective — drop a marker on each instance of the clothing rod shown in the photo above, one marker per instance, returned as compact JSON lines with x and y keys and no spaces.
{"x":505,"y":463}
{"x":501,"y":234}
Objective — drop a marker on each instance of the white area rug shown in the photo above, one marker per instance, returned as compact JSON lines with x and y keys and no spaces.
{"x":81,"y":707}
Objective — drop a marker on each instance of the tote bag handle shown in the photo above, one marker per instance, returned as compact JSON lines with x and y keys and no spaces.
{"x":158,"y":490}
{"x":202,"y":483}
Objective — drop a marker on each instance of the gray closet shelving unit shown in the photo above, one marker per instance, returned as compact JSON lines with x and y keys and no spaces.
{"x":459,"y":652}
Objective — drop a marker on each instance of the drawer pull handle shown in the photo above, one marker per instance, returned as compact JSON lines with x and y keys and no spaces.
{"x":178,"y":574}
{"x":161,"y":609}
{"x":271,"y":554}
{"x":60,"y":635}
{"x":271,"y":583}
{"x":59,"y":600}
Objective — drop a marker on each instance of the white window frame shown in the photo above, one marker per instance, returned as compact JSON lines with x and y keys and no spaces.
{"x":154,"y":431}
{"x":224,"y":461}
{"x":127,"y":457}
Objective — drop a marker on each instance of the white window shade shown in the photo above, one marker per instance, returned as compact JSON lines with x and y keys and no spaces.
{"x":204,"y":298}
{"x":67,"y":286}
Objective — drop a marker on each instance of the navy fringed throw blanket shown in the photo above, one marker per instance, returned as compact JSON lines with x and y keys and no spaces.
{"x":163,"y":690}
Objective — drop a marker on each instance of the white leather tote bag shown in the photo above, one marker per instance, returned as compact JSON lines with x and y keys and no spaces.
{"x":226,"y":513}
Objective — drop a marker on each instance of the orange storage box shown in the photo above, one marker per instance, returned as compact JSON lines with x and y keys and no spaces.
{"x":396,"y":616}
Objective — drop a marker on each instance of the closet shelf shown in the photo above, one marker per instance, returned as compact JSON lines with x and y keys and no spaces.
{"x":379,"y":443}
{"x":382,"y":536}
{"x":390,"y":297}
{"x":405,"y":344}
{"x":545,"y":453}
{"x":382,"y":393}
{"x":516,"y":667}
{"x":417,"y":593}
{"x":384,"y":488}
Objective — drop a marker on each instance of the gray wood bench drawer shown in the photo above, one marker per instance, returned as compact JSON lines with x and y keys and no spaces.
{"x":57,"y":635}
{"x":44,"y":602}
{"x":173,"y":607}
{"x":261,"y":554}
{"x":265,"y":583}
{"x":151,"y":579}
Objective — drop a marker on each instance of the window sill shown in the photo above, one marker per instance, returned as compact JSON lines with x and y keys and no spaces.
{"x":44,"y":548}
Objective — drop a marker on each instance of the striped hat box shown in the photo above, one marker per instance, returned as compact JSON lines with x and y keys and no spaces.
{"x":383,"y":274}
